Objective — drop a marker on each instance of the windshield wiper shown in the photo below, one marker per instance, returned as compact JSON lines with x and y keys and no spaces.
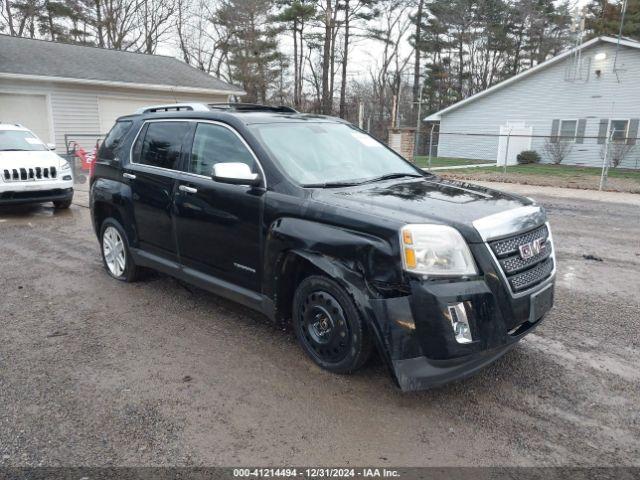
{"x":351,"y":183}
{"x":13,"y":150}
{"x":331,"y":184}
{"x":390,"y":176}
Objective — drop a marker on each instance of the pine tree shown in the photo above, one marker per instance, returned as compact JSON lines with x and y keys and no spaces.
{"x":604,"y":17}
{"x":295,"y":15}
{"x":253,"y":53}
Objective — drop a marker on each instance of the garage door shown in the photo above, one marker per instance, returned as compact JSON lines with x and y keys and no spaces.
{"x":28,"y":110}
{"x":112,"y":108}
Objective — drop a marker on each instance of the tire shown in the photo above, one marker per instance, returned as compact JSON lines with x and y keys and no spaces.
{"x":120,"y":265}
{"x":62,"y":204}
{"x":329,"y":327}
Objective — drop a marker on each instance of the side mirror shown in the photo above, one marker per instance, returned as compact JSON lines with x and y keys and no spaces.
{"x":51,"y":146}
{"x":235,"y":173}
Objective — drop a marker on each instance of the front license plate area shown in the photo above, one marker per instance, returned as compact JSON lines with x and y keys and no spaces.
{"x":541,"y":303}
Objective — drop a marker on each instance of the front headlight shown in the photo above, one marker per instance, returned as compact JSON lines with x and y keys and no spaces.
{"x":435,"y":250}
{"x":64,"y":165}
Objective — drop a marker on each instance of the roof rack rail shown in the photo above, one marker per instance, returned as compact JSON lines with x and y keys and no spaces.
{"x":174,"y":107}
{"x":252,"y":107}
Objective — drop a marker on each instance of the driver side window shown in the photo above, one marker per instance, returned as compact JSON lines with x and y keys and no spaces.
{"x":217,"y":144}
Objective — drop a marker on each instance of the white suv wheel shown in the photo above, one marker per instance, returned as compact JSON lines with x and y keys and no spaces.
{"x":114,"y":252}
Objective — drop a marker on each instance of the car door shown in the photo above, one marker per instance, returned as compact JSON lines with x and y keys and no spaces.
{"x":152,"y":175}
{"x":218,"y":224}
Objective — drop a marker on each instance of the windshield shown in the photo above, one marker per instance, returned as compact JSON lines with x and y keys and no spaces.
{"x":321,"y":154}
{"x":20,"y":140}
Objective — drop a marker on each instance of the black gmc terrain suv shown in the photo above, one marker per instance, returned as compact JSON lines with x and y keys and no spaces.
{"x":312,"y":221}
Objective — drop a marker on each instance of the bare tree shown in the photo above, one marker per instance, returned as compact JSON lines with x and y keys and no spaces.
{"x":7,"y":14}
{"x":355,"y":12}
{"x":120,"y":23}
{"x":557,"y":150}
{"x":617,"y":152}
{"x":155,"y":22}
{"x":386,"y":76}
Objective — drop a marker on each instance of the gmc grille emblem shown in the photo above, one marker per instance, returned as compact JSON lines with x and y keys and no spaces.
{"x":532,"y":249}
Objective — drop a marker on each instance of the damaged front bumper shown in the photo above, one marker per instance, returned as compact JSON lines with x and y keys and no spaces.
{"x":418,"y":331}
{"x":422,"y":348}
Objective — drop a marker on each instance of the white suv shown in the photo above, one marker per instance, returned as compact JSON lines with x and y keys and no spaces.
{"x":30,"y":172}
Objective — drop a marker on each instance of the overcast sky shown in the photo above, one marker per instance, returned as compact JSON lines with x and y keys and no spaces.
{"x":363,"y":54}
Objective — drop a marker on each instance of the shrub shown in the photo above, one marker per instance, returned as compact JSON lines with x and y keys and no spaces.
{"x":528,"y":156}
{"x":616,"y":152}
{"x":557,"y":150}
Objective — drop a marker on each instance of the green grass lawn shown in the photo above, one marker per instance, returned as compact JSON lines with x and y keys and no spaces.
{"x":552,"y":170}
{"x":447,"y":161}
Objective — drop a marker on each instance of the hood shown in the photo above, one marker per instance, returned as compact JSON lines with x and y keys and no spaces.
{"x":33,"y":159}
{"x":428,"y":200}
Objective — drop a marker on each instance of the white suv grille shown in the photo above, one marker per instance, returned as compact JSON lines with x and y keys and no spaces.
{"x":29,"y":174}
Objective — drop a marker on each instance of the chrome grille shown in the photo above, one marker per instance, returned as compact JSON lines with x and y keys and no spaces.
{"x":29,"y":174}
{"x":532,"y":277}
{"x":512,"y":244}
{"x":524,"y":273}
{"x":516,"y":263}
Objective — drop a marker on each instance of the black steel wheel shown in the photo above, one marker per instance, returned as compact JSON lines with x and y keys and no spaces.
{"x":329,"y":327}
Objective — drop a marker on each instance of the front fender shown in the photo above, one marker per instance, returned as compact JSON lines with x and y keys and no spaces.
{"x":375,"y":259}
{"x":359,"y":263}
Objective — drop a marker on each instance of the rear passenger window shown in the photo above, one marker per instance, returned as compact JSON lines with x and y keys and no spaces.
{"x":162,"y":144}
{"x":113,"y":139}
{"x":217,"y":144}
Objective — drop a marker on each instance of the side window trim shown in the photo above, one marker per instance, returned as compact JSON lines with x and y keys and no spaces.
{"x":142,"y":131}
{"x":244,"y":143}
{"x":136,"y":145}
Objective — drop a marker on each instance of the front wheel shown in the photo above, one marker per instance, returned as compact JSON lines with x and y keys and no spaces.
{"x":115,"y":252}
{"x":62,"y":204}
{"x":329,"y":327}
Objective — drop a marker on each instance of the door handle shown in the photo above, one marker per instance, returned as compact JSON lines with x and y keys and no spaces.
{"x":186,"y":189}
{"x":130,"y":176}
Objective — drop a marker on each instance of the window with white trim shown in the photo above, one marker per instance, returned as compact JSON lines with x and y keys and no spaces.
{"x":618,"y":130}
{"x":568,"y":130}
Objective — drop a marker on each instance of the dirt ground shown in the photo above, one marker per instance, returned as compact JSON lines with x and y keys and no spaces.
{"x":94,"y":372}
{"x":583,"y":182}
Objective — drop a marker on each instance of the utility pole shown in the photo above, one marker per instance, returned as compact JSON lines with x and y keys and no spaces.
{"x":418,"y":124}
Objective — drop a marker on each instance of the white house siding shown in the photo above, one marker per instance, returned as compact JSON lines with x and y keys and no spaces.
{"x":544,"y":96}
{"x":74,"y":109}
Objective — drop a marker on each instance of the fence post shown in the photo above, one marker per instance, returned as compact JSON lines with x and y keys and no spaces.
{"x":605,"y":163}
{"x":430,"y":145}
{"x":506,"y":153}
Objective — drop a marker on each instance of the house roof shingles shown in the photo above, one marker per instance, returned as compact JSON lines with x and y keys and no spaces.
{"x":24,"y":56}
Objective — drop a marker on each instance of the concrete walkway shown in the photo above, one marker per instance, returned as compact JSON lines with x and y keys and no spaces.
{"x":573,"y":193}
{"x":461,"y":167}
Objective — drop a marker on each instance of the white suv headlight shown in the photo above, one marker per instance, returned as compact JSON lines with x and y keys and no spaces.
{"x":64,"y":165}
{"x":435,"y":250}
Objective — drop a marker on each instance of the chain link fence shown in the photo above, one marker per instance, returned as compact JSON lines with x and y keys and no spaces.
{"x":516,"y":151}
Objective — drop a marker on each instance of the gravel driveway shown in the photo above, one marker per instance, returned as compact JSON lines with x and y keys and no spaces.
{"x":95,"y":372}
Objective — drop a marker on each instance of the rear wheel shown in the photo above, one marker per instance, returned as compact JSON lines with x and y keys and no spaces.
{"x":329,"y":327}
{"x":115,"y":252}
